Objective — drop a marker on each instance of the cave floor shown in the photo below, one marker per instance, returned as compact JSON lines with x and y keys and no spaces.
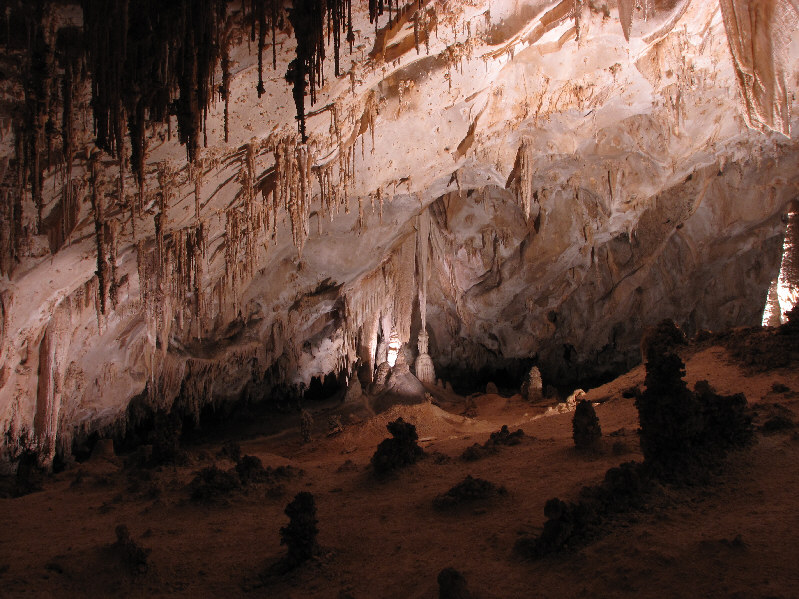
{"x":736,"y":537}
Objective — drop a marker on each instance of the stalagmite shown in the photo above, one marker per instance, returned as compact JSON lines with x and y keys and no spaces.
{"x":423,"y":368}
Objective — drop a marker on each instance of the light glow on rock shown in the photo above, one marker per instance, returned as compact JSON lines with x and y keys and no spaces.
{"x":393,"y":348}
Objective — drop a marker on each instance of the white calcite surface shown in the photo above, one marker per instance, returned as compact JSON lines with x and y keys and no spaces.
{"x":549,"y":178}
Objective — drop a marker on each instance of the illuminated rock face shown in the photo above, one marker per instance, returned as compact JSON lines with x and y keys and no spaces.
{"x":537,"y":182}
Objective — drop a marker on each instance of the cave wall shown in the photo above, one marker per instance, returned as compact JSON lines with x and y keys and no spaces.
{"x":587,"y":168}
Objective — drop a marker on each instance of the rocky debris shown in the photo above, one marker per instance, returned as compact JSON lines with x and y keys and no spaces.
{"x":299,"y":535}
{"x":780,"y":388}
{"x":571,"y":523}
{"x":773,"y":418}
{"x":132,"y":555}
{"x":533,"y":386}
{"x":212,"y":484}
{"x":631,"y":392}
{"x":567,"y":406}
{"x":306,"y":426}
{"x":683,"y":431}
{"x":165,"y":439}
{"x":230,"y":450}
{"x":467,"y":491}
{"x":103,"y":450}
{"x":399,"y":451}
{"x":348,"y":466}
{"x":334,"y":426}
{"x":29,"y":476}
{"x":586,"y":431}
{"x":452,"y":585}
{"x":765,"y":349}
{"x":683,"y":435}
{"x":500,"y":438}
{"x":726,"y":419}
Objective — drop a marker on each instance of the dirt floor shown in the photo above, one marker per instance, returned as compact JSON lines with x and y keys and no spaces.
{"x":736,"y":537}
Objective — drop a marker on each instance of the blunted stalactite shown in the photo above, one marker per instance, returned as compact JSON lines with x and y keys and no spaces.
{"x":520,"y":181}
{"x":36,"y":129}
{"x":69,"y":46}
{"x":138,"y":151}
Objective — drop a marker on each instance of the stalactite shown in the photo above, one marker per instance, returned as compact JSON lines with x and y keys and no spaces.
{"x":7,"y":245}
{"x":306,"y":71}
{"x":112,"y":235}
{"x":71,"y":60}
{"x":293,"y":182}
{"x":138,"y":149}
{"x":97,"y":201}
{"x":48,"y":393}
{"x":307,"y":19}
{"x":165,"y":191}
{"x":33,"y":133}
{"x":520,"y":181}
{"x":224,"y":89}
{"x":626,"y":9}
{"x":405,"y":288}
{"x":141,"y":52}
{"x":197,"y":177}
{"x":422,"y":262}
{"x":199,"y":259}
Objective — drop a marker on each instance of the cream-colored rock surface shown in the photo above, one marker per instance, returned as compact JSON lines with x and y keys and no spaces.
{"x":544,"y":178}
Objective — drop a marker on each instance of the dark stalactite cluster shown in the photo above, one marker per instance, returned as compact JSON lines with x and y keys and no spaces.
{"x":143,"y":62}
{"x":150,"y":60}
{"x":308,"y":18}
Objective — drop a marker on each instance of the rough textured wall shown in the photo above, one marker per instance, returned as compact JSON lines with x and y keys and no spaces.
{"x":588,"y":168}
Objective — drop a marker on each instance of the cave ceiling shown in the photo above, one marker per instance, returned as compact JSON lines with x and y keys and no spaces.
{"x":207,"y":201}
